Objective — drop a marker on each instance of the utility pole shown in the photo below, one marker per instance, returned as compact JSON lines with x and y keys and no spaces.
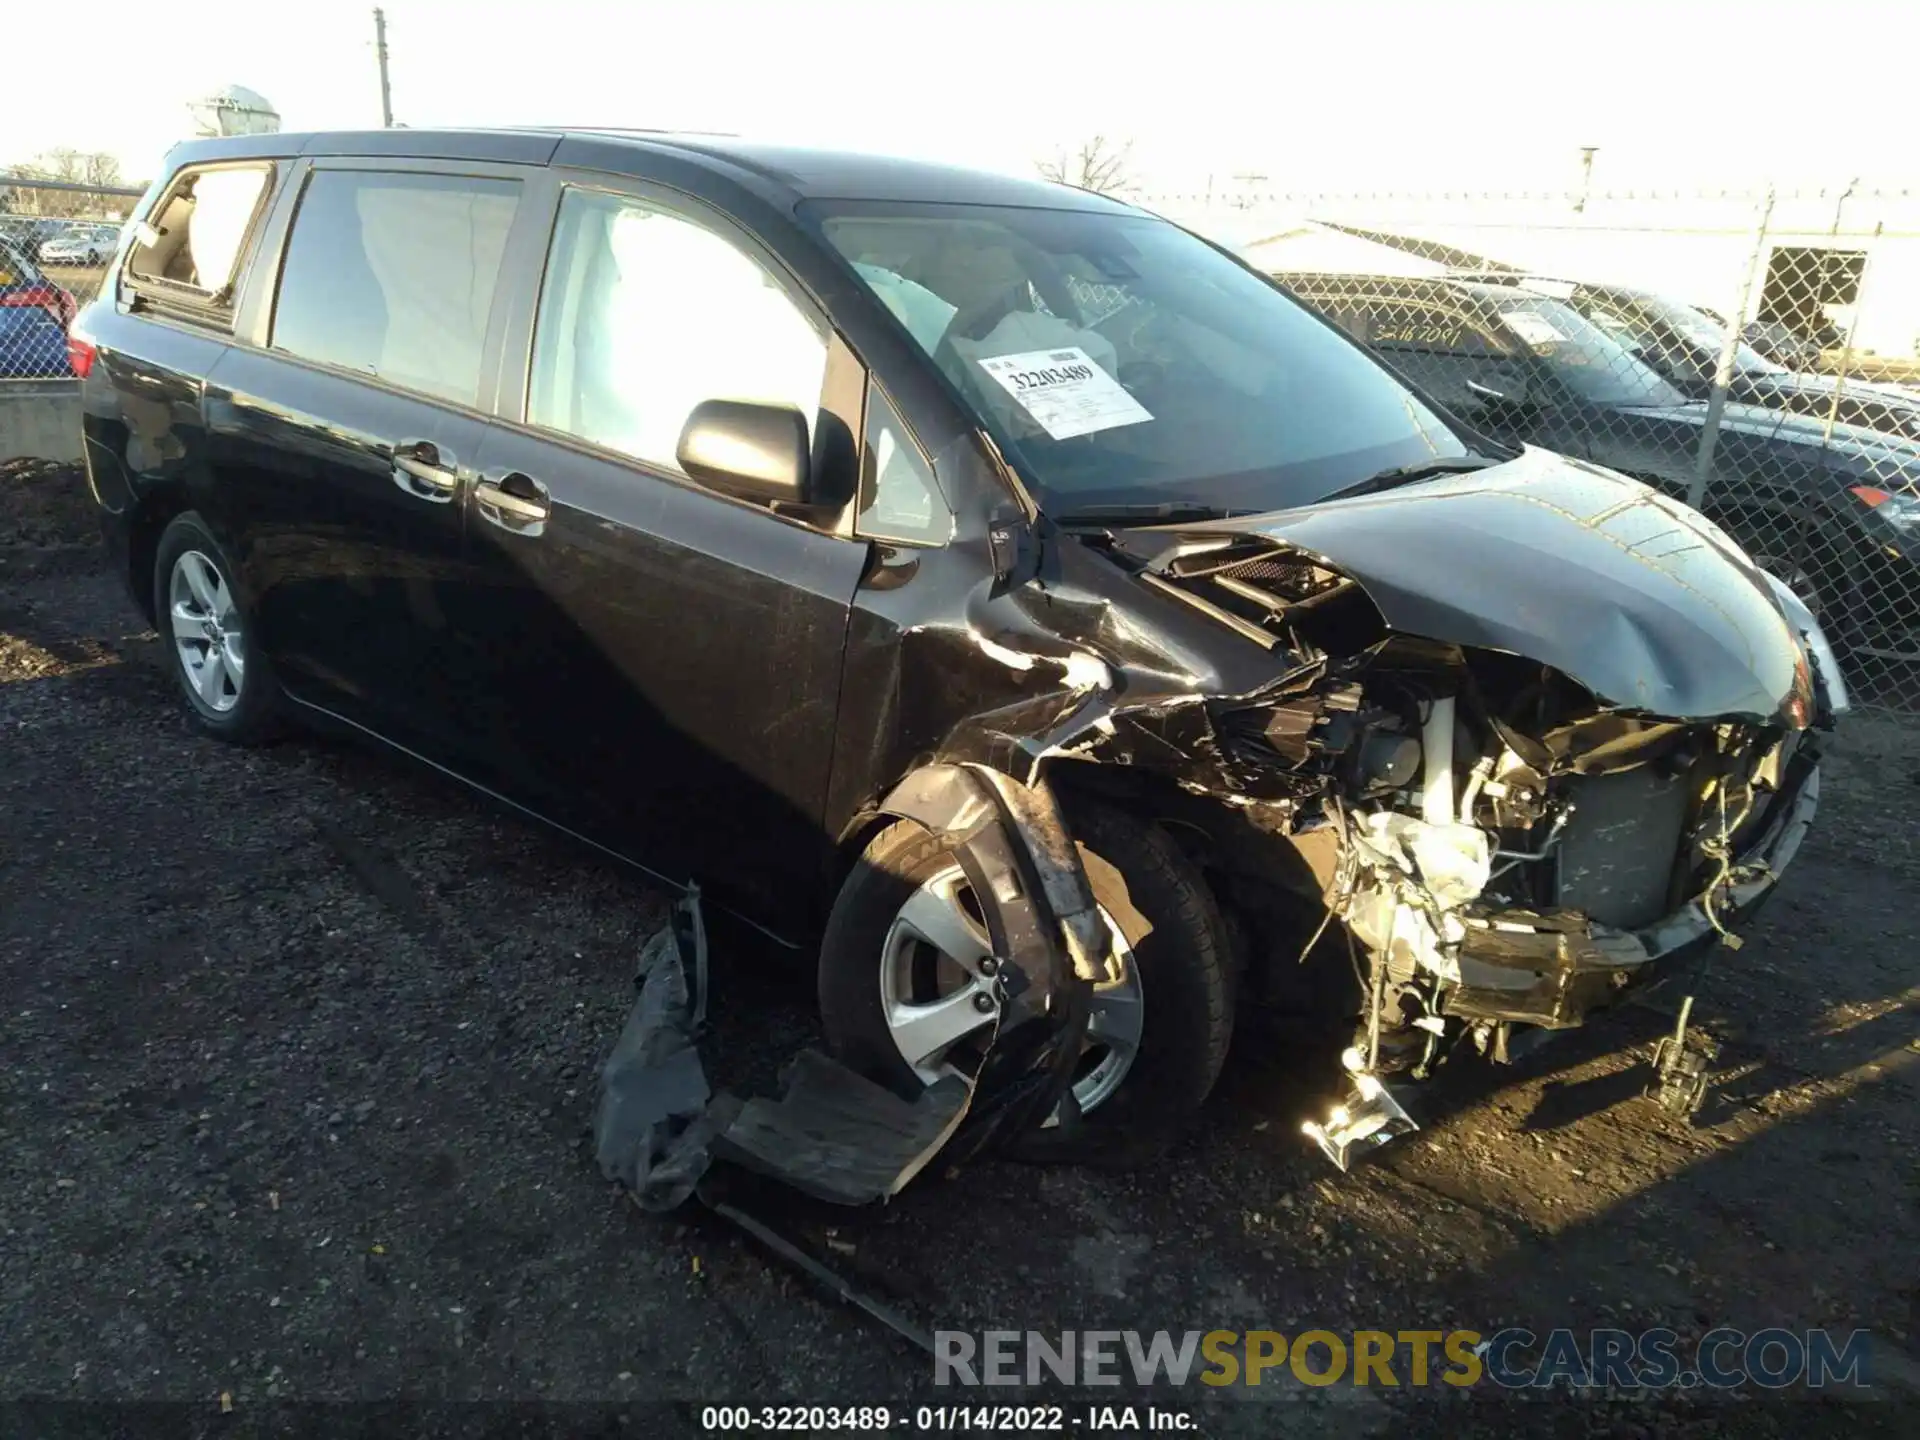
{"x":380,"y":49}
{"x":1586,"y":178}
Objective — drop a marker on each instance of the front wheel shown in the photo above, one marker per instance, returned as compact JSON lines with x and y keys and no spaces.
{"x":905,"y":998}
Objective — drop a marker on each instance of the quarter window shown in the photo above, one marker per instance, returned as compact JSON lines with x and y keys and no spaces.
{"x":645,"y":314}
{"x":899,"y":498}
{"x":394,"y":275}
{"x":193,"y":237}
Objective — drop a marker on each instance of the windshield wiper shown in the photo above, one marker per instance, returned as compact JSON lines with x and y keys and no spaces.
{"x":1159,"y":512}
{"x":1419,"y":470}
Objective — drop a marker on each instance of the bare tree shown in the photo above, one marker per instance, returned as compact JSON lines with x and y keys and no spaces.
{"x":76,"y":167}
{"x":1099,"y":164}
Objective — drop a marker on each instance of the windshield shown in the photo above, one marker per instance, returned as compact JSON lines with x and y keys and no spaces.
{"x":1707,"y":336}
{"x":1589,"y":361}
{"x":1116,"y":359}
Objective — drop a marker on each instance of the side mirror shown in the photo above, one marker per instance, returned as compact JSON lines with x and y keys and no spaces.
{"x":749,"y":450}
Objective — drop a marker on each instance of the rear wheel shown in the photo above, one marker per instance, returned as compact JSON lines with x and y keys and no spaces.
{"x":906,"y":994}
{"x":208,"y":632}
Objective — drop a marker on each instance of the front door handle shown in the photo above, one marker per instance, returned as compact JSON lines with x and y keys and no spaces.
{"x":514,"y":502}
{"x":425,"y":471}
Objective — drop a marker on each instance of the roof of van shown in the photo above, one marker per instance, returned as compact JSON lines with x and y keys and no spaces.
{"x":795,"y":172}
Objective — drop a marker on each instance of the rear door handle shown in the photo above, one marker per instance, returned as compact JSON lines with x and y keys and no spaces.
{"x":514,"y":502}
{"x":425,"y":471}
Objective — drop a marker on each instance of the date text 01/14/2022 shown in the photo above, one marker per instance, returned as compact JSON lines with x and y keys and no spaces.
{"x":943,"y":1419}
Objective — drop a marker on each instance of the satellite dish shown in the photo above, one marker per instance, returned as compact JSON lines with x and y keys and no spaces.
{"x":234,"y":110}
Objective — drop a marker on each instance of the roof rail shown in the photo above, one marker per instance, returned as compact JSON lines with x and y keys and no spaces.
{"x":633,"y":130}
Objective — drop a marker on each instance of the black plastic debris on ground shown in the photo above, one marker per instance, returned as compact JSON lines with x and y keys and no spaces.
{"x":832,"y":1134}
{"x":655,"y":1121}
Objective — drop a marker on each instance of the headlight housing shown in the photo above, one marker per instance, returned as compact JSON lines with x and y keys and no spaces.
{"x":1819,"y":649}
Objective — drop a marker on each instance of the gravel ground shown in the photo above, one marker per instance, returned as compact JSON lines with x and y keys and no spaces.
{"x":296,"y":1072}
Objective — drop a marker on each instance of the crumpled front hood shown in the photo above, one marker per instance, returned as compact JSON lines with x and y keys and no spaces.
{"x":1645,"y":602}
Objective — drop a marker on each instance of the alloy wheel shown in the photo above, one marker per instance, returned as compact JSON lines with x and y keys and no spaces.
{"x":207,"y":635}
{"x":938,"y":992}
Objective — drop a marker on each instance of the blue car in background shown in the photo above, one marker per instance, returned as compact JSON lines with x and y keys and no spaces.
{"x":34,"y":316}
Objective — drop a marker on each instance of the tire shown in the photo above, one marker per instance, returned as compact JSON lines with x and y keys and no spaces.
{"x":238,"y":703}
{"x":1828,"y":580}
{"x":1174,"y":940}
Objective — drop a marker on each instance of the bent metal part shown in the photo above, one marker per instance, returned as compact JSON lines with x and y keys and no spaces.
{"x":1444,"y":770}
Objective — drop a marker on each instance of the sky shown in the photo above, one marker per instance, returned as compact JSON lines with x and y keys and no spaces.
{"x":1342,"y":96}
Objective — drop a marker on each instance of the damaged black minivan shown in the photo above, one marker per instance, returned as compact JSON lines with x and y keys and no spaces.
{"x":990,"y":585}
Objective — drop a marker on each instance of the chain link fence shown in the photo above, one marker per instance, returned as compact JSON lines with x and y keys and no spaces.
{"x":56,"y":238}
{"x":1756,"y":355}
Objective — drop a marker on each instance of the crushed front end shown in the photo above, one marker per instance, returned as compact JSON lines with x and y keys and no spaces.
{"x":1553,"y":854}
{"x":1553,"y":794}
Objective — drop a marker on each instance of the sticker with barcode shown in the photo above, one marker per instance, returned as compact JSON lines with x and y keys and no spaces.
{"x":1531,"y":328}
{"x":1065,"y":391}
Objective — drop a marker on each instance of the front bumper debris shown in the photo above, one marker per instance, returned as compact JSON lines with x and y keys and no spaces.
{"x":832,"y":1134}
{"x":659,"y":1127}
{"x":1365,"y":1120}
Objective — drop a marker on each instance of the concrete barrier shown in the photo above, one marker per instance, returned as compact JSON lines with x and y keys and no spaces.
{"x":40,"y":419}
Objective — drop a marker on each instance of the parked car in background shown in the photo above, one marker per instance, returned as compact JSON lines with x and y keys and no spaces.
{"x":35,"y":314}
{"x":1838,"y":516}
{"x":1784,"y":345}
{"x":986,"y":579}
{"x":29,"y":232}
{"x":1684,"y":346}
{"x":79,"y":245}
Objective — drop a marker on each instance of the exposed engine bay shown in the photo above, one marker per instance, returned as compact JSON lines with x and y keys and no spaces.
{"x":1503,"y":847}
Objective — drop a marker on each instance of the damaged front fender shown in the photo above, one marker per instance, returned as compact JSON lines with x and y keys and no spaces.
{"x":834,"y":1134}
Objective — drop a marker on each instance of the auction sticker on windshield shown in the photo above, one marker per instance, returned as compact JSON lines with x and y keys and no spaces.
{"x":1531,"y":328}
{"x":1065,"y":391}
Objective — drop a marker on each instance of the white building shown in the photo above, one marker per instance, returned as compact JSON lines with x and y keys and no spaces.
{"x":1853,"y":254}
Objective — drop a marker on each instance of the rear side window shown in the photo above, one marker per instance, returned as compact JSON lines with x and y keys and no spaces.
{"x":193,"y":238}
{"x":393,"y":275}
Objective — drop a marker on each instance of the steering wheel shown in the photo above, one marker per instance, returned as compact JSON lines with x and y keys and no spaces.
{"x":975,"y":322}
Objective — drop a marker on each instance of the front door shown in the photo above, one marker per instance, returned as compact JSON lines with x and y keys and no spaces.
{"x":665,"y":662}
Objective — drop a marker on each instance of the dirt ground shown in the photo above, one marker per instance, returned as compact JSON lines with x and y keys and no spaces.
{"x":297,"y":1067}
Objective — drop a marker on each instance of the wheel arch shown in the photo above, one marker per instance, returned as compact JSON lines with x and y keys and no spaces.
{"x":156,"y":509}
